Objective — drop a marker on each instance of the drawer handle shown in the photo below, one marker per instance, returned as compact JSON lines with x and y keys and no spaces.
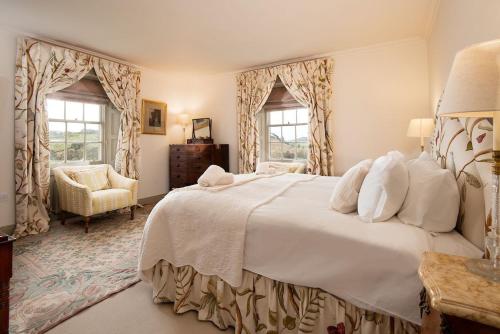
{"x":178,"y":165}
{"x":178,"y":149}
{"x":178,"y":176}
{"x":178,"y":157}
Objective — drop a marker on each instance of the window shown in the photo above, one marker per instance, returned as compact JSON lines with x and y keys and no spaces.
{"x":287,"y":134}
{"x":75,"y":131}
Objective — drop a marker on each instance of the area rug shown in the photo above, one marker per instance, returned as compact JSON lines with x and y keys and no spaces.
{"x":59,"y":273}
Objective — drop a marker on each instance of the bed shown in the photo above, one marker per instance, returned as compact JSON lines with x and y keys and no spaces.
{"x":266,"y":255}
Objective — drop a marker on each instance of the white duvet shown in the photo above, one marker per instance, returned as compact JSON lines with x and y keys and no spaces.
{"x":294,"y":237}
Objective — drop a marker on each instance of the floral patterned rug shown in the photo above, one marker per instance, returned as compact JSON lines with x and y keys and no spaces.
{"x":59,"y":273}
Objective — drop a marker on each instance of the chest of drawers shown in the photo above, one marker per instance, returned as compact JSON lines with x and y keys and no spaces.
{"x":188,"y":162}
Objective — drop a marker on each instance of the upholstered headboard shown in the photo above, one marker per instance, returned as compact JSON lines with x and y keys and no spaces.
{"x":464,"y":146}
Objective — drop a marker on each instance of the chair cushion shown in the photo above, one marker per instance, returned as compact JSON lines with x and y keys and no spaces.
{"x":110,"y":199}
{"x":94,"y":178}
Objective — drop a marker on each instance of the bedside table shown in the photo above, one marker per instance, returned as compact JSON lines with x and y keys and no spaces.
{"x":455,"y":300}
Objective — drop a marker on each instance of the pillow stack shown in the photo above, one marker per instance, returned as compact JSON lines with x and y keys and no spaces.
{"x":419,"y":192}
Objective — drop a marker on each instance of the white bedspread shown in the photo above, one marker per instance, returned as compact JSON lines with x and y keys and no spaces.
{"x":207,"y":231}
{"x":292,"y":236}
{"x":297,"y":239}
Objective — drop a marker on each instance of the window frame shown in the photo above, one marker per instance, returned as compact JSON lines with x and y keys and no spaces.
{"x":266,"y":124}
{"x":101,"y":123}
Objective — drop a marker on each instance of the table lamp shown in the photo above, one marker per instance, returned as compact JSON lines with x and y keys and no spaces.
{"x":473,"y":90}
{"x":183,"y":119}
{"x":420,"y":128}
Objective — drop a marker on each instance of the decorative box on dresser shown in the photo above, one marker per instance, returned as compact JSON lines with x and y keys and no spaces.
{"x":188,"y":161}
{"x":5,"y":275}
{"x":455,"y":300}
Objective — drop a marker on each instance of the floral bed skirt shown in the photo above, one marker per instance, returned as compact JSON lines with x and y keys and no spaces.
{"x":263,"y":305}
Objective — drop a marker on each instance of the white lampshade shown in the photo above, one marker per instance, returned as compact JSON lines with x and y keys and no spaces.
{"x":183,"y":119}
{"x":473,"y":87}
{"x":420,"y":127}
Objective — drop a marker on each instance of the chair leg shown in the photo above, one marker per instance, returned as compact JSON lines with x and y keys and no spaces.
{"x":132,"y":212}
{"x":62,"y":216}
{"x":86,"y":221}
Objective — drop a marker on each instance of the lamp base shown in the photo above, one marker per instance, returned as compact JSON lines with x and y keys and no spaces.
{"x":483,"y":267}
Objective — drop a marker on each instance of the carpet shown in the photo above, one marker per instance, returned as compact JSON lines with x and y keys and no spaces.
{"x":59,"y":273}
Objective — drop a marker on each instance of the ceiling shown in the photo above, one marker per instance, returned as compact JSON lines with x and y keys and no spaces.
{"x":218,"y":35}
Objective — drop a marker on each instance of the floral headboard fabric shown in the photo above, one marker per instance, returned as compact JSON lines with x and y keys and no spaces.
{"x":464,"y":146}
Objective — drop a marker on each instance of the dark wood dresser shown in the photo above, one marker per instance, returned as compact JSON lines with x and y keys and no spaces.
{"x":5,"y":275}
{"x":188,"y":162}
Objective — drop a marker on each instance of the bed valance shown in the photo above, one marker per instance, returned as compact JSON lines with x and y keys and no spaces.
{"x":41,"y":69}
{"x":310,"y":83}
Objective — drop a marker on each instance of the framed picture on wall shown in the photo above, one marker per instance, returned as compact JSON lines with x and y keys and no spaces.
{"x":154,"y":117}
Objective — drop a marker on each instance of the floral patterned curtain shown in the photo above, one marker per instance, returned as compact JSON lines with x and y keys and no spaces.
{"x":40,"y":69}
{"x":121,"y":83}
{"x":253,"y":89}
{"x":310,"y":83}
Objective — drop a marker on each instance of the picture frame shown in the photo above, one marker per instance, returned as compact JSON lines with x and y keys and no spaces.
{"x":202,"y":128}
{"x":154,"y":117}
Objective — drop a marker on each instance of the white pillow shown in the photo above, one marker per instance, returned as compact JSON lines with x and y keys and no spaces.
{"x":384,"y":188}
{"x":433,"y":198}
{"x":345,"y":194}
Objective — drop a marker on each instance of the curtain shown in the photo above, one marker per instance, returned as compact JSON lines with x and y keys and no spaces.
{"x":121,"y":83}
{"x":310,"y":83}
{"x":253,"y":89}
{"x":40,"y":69}
{"x":43,"y":69}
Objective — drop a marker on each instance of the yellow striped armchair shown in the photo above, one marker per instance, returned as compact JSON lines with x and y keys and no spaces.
{"x":93,"y":189}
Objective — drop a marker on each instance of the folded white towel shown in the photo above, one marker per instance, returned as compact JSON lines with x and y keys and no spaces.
{"x":215,"y":176}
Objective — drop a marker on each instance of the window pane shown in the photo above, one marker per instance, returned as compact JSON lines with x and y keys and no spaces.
{"x":302,"y":150}
{"x":55,"y":109}
{"x":289,"y":116}
{"x":92,"y":112}
{"x":93,"y":132}
{"x":289,"y":151}
{"x":74,"y":111}
{"x":275,"y":117}
{"x":275,"y":151}
{"x":74,"y":151}
{"x":57,"y":131}
{"x":302,"y":115}
{"x":75,"y":132}
{"x":56,"y":151}
{"x":289,"y":133}
{"x":275,"y":133}
{"x":302,"y":133}
{"x":94,"y":152}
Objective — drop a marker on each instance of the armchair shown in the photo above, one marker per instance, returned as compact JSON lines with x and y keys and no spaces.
{"x":100,"y":189}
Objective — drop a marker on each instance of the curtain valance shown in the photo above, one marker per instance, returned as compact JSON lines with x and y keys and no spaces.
{"x":310,"y":83}
{"x":41,"y":69}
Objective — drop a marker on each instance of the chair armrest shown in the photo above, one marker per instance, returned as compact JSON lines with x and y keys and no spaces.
{"x":73,"y":196}
{"x":122,"y":182}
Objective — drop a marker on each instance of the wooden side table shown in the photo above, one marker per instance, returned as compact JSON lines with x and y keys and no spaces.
{"x":5,"y":275}
{"x":455,"y":300}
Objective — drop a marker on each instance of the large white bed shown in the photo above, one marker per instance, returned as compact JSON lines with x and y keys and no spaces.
{"x":291,"y":235}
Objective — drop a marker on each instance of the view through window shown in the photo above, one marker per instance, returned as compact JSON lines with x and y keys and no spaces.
{"x":287,"y":134}
{"x":75,"y":131}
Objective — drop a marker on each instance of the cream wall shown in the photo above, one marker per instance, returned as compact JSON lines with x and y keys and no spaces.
{"x":459,"y":23}
{"x":378,"y":90}
{"x":200,"y":96}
